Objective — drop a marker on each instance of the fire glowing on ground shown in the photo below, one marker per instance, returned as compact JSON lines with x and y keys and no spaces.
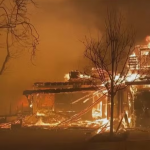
{"x":78,"y":123}
{"x":41,"y":123}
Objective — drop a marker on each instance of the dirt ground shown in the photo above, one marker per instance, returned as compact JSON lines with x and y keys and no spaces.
{"x":39,"y":139}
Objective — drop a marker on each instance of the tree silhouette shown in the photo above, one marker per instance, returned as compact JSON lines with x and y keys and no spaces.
{"x":16,"y":29}
{"x":109,"y":55}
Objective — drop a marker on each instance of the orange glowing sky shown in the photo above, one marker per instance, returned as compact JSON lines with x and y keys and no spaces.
{"x":61,"y":25}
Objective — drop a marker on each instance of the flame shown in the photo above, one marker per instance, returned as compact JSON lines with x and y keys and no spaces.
{"x":40,"y":114}
{"x":129,"y":119}
{"x":132,"y":77}
{"x":66,"y":77}
{"x":145,"y":53}
{"x":105,"y":123}
{"x":84,"y":76}
{"x":148,"y":41}
{"x":117,"y":77}
{"x":41,"y":123}
{"x":133,"y":55}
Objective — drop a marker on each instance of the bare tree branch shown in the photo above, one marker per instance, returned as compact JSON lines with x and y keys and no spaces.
{"x":20,"y":32}
{"x":110,"y":54}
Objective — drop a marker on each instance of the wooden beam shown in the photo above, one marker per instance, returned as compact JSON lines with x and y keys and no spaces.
{"x":63,"y":90}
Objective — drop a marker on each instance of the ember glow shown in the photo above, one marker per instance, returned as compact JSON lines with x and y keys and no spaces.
{"x":132,"y":55}
{"x":40,"y":114}
{"x":104,"y":126}
{"x":77,"y":74}
{"x":82,"y":76}
{"x":41,"y":123}
{"x":66,"y":77}
{"x":148,"y":41}
{"x":98,"y":108}
{"x":132,"y":77}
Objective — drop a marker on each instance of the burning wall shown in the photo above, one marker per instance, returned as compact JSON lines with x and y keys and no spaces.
{"x":142,"y":105}
{"x":66,"y":103}
{"x":41,"y":101}
{"x":70,"y":109}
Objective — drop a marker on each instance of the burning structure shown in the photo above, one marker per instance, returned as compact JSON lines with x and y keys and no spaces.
{"x":76,"y":100}
{"x":139,"y":63}
{"x":83,"y":99}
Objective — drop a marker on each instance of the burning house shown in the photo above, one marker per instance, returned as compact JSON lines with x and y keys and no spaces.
{"x":84,"y":98}
{"x":139,"y":63}
{"x":77,"y":99}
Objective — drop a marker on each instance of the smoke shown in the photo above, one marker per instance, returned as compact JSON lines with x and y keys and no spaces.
{"x":62,"y":25}
{"x":91,"y":13}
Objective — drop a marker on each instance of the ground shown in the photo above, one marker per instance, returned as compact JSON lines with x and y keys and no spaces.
{"x":39,"y":139}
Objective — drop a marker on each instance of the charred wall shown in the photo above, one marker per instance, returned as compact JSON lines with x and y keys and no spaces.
{"x":142,"y":108}
{"x":63,"y":103}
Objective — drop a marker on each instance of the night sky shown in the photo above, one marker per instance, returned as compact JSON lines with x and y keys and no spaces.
{"x":62,"y":24}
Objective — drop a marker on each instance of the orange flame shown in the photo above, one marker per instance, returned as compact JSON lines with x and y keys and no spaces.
{"x":148,"y":41}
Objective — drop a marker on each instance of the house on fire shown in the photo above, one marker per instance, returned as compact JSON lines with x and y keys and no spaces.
{"x":80,"y":95}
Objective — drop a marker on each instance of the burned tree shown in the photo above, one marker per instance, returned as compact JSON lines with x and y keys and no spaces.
{"x":109,"y":55}
{"x":16,"y":30}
